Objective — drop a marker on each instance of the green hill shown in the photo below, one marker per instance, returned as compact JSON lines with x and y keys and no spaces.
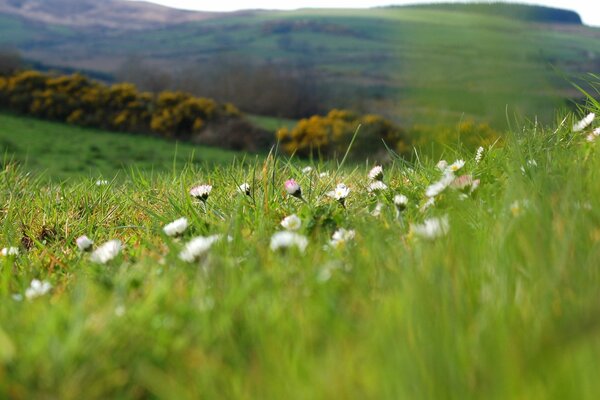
{"x":434,"y":64}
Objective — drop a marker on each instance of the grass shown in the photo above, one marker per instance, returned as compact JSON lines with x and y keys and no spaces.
{"x":505,"y":305}
{"x":61,"y":151}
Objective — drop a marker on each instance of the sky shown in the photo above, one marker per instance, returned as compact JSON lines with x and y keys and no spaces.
{"x":588,"y":9}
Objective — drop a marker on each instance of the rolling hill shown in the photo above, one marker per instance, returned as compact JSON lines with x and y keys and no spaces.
{"x":417,"y":65}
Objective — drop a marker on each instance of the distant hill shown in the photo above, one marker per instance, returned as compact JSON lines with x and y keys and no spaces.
{"x":416,"y":65}
{"x":115,"y":14}
{"x":532,"y":13}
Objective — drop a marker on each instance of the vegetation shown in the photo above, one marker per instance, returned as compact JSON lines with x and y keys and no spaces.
{"x":486,"y":292}
{"x":80,"y":101}
{"x":57,"y":151}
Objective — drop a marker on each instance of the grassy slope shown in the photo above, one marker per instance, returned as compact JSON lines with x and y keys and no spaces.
{"x":416,"y":64}
{"x":505,"y":306}
{"x":62,"y":151}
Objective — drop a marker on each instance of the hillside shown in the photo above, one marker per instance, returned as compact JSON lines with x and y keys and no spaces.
{"x":418,"y":65}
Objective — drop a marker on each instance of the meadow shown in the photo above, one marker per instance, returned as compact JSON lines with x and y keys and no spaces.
{"x":474,"y":278}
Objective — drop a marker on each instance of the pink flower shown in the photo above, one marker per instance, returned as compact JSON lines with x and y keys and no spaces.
{"x":293,"y":188}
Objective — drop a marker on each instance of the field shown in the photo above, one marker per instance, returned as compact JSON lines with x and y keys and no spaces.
{"x":495,"y":296}
{"x":62,"y":151}
{"x":421,"y":65}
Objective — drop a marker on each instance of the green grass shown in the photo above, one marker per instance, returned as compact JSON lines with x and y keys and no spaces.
{"x":504,"y":306}
{"x":60,"y":151}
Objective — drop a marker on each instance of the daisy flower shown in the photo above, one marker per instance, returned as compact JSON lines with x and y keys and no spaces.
{"x":341,"y":237}
{"x":432,"y":228}
{"x":400,"y":201}
{"x":307,"y":170}
{"x":456,"y":165}
{"x":197,"y":247}
{"x":284,"y":240}
{"x":10,"y":251}
{"x":442,"y":165}
{"x":176,"y":227}
{"x":291,"y":222}
{"x":244,"y":188}
{"x":293,"y":189}
{"x":465,"y":183}
{"x":106,"y":252}
{"x":37,"y":288}
{"x":376,"y":186}
{"x":592,"y":136}
{"x":340,"y":193}
{"x":376,"y":173}
{"x":441,"y":185}
{"x":84,"y":243}
{"x":201,"y":192}
{"x":584,"y":123}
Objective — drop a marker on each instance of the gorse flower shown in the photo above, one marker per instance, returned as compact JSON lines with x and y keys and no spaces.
{"x":432,"y":228}
{"x":376,"y":173}
{"x":340,"y":193}
{"x":106,"y":252}
{"x":244,"y":188}
{"x":376,"y":186}
{"x":584,"y":123}
{"x":176,"y":227}
{"x":84,"y":243}
{"x":291,"y":223}
{"x":479,"y":155}
{"x":197,"y":247}
{"x":10,"y":251}
{"x":341,"y":237}
{"x":37,"y":288}
{"x":293,"y":189}
{"x":286,"y":239}
{"x":201,"y":192}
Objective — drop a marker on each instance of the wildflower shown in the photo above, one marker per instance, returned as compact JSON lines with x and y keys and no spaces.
{"x":400,"y":201}
{"x":106,"y":252}
{"x":441,"y":185}
{"x":283,"y":240}
{"x":37,"y":288}
{"x":584,"y":123}
{"x":197,"y":247}
{"x":376,"y":186}
{"x":293,"y":188}
{"x":84,"y":243}
{"x":101,"y":182}
{"x":431,"y":228}
{"x":244,"y":188}
{"x":456,"y":165}
{"x":479,"y":155}
{"x":376,"y":173}
{"x":10,"y":251}
{"x":592,"y":136}
{"x":341,"y":237}
{"x":340,"y":193}
{"x":307,"y":170}
{"x":323,"y":174}
{"x":465,"y":183}
{"x":377,"y":210}
{"x":442,"y":165}
{"x":291,"y":222}
{"x":176,"y":227}
{"x":201,"y":192}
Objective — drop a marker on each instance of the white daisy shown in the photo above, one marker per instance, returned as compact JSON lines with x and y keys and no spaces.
{"x":594,"y":135}
{"x":431,"y":228}
{"x":307,"y":170}
{"x":341,"y":237}
{"x":441,"y":185}
{"x":291,"y":222}
{"x":106,"y":252}
{"x":37,"y":288}
{"x":284,"y":240}
{"x":584,"y":123}
{"x":376,"y":173}
{"x":442,"y":165}
{"x":400,"y":201}
{"x":244,"y":188}
{"x":292,"y":188}
{"x":197,"y":247}
{"x":456,"y":165}
{"x":201,"y":192}
{"x":84,"y":243}
{"x":10,"y":251}
{"x":176,"y":227}
{"x":376,"y":186}
{"x":340,"y":193}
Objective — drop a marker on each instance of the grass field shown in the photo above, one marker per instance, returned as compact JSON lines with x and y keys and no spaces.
{"x":60,"y":151}
{"x":418,"y":65}
{"x":502,"y":304}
